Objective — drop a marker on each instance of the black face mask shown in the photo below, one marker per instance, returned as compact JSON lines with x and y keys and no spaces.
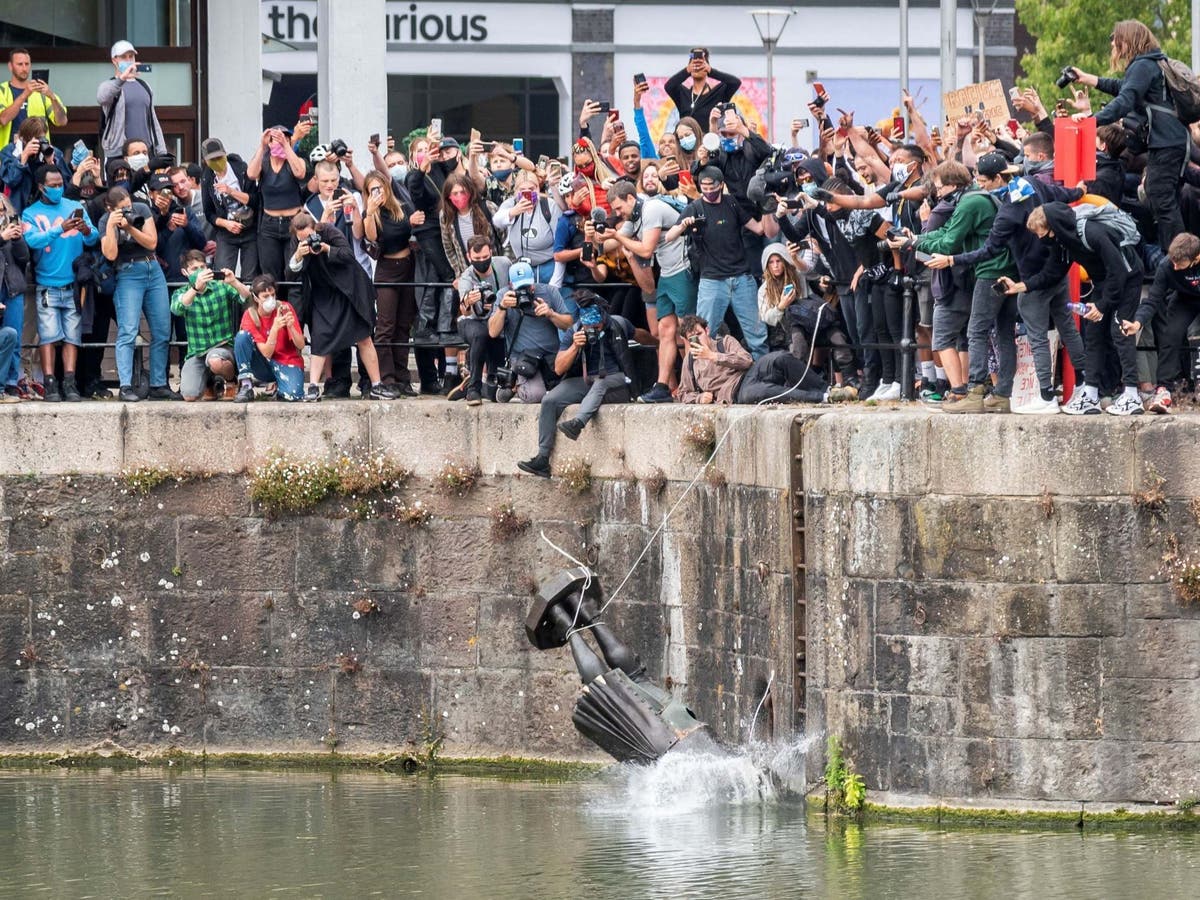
{"x":481,"y":265}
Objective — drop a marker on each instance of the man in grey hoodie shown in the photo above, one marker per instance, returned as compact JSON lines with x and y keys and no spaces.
{"x":127,"y":106}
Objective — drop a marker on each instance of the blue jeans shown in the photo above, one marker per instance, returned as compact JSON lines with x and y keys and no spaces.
{"x":14,"y":318}
{"x":251,"y":363}
{"x":718,"y":294}
{"x":142,"y":290}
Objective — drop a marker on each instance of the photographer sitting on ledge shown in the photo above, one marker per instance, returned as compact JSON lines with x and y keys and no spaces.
{"x":479,"y":287}
{"x":595,"y":365}
{"x":531,"y":335}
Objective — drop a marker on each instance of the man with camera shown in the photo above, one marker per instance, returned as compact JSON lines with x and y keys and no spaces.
{"x":715,"y":223}
{"x":178,"y":228}
{"x":24,"y":96}
{"x":595,"y":365}
{"x":530,"y":317}
{"x":210,"y":307}
{"x":479,"y":288}
{"x":21,"y":160}
{"x":646,"y":223}
{"x":57,"y":230}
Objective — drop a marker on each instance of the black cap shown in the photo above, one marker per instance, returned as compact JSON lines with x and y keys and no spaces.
{"x":992,"y":164}
{"x":710,"y":173}
{"x":212,"y":149}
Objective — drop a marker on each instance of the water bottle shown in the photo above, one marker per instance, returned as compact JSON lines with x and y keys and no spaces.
{"x":1079,"y":309}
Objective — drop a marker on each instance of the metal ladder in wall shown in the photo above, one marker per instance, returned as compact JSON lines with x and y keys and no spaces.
{"x":799,"y":582}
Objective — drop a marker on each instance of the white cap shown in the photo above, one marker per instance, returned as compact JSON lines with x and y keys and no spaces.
{"x":120,"y":48}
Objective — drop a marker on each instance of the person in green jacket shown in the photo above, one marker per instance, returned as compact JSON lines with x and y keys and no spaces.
{"x":967,"y":230}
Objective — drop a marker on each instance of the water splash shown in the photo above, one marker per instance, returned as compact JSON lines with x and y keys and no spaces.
{"x":689,"y":780}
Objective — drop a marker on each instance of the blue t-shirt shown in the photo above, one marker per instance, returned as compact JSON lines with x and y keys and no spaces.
{"x":52,"y":250}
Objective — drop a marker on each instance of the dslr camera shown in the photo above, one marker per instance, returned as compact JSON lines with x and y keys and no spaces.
{"x":314,"y":241}
{"x":893,"y":234}
{"x":487,"y":299}
{"x":1065,"y":77}
{"x":525,"y":298}
{"x":338,"y":148}
{"x":779,"y":181}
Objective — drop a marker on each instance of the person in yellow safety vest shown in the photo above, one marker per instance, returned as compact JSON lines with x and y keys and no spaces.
{"x":23,"y":97}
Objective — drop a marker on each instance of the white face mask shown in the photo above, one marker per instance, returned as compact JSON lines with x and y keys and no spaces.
{"x":398,"y":171}
{"x":138,"y":161}
{"x":269,"y":305}
{"x":900,"y":171}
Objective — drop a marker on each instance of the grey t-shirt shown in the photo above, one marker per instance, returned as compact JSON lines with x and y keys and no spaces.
{"x":537,"y":334}
{"x":671,"y":255}
{"x":137,"y":113}
{"x":496,"y":280}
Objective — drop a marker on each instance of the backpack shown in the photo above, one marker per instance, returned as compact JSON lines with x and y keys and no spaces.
{"x":1184,"y":90}
{"x":978,"y":193}
{"x":1117,"y":220}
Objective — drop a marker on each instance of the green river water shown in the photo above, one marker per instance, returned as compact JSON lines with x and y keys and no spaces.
{"x":699,"y":832}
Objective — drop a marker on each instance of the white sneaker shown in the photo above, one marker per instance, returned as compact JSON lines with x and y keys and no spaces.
{"x":1126,"y":405}
{"x":1081,"y":405}
{"x":887,"y":392}
{"x":1037,"y":407}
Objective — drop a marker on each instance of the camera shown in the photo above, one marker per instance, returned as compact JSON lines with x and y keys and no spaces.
{"x":893,"y":234}
{"x":338,"y":148}
{"x":506,"y":377}
{"x":135,"y":221}
{"x":698,"y":223}
{"x":525,"y":297}
{"x":314,"y":241}
{"x":723,"y":108}
{"x":1065,"y":77}
{"x":599,"y":220}
{"x":487,"y":299}
{"x":779,"y":181}
{"x":593,"y":333}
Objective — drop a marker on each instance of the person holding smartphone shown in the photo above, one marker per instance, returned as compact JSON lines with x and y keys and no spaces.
{"x":530,"y":220}
{"x":700,"y":98}
{"x":14,"y":259}
{"x":23,"y":97}
{"x":281,"y":177}
{"x":127,"y":106}
{"x":210,"y":304}
{"x":390,"y":228}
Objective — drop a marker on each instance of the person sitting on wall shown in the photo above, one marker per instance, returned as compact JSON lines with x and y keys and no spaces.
{"x":720,"y":371}
{"x":595,"y":365}
{"x":208,"y":307}
{"x":269,"y":344}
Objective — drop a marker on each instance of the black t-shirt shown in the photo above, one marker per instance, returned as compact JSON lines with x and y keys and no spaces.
{"x":127,"y":247}
{"x":720,"y":243}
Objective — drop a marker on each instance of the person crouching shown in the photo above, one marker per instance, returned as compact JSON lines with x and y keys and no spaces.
{"x":269,"y":344}
{"x":209,"y":308}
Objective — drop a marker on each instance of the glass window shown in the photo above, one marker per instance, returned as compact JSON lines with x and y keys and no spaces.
{"x":97,"y":23}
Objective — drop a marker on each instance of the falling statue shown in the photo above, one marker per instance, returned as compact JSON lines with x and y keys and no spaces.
{"x":620,"y":710}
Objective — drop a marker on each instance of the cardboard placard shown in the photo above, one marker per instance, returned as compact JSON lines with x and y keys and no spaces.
{"x":1025,"y":384}
{"x":966,"y":100}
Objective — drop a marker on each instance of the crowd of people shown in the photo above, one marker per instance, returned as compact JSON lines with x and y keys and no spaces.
{"x":751,"y":272}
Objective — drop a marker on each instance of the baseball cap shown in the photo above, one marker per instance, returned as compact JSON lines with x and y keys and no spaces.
{"x":159,"y":183}
{"x":449,"y":142}
{"x":521,"y":274}
{"x":120,"y":48}
{"x":710,"y":173}
{"x":211,"y":149}
{"x":992,"y":164}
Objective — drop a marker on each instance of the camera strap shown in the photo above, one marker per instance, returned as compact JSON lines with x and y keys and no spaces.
{"x":513,"y":342}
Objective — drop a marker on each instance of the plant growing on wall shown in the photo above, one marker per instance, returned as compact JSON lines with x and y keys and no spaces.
{"x":844,"y":788}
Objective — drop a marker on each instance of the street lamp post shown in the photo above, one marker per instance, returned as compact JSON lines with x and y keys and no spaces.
{"x":770,"y":24}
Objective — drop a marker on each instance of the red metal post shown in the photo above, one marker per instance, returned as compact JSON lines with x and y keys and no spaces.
{"x":1074,"y":161}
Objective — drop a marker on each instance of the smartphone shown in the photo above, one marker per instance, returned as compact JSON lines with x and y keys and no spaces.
{"x":697,"y":54}
{"x":377,"y":191}
{"x":605,"y":106}
{"x":374,"y":139}
{"x":80,"y":145}
{"x":819,"y":91}
{"x":435,"y":126}
{"x":793,"y":204}
{"x":1013,"y":125}
{"x":1014,"y":93}
{"x":898,"y":128}
{"x":639,"y":78}
{"x":40,"y":75}
{"x":789,"y":289}
{"x":587,"y":251}
{"x":475,"y":136}
{"x":999,"y":289}
{"x":145,"y":67}
{"x":922,"y":257}
{"x":313,"y":113}
{"x":531,"y":196}
{"x":519,"y":145}
{"x":615,"y":115}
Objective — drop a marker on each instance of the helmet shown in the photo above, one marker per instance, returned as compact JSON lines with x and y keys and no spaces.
{"x":318,"y":153}
{"x":521,"y":274}
{"x":566,"y":186}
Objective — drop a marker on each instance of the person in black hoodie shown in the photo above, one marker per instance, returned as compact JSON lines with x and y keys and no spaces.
{"x":1116,"y":272}
{"x":1109,"y":182}
{"x":428,"y":170}
{"x":1174,"y":304}
{"x":1021,"y":196}
{"x":1143,"y":91}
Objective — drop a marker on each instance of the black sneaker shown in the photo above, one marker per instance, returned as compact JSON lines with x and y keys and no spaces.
{"x":489,"y":391}
{"x":572,"y":428}
{"x":660,"y":393}
{"x":539,"y":466}
{"x":245,"y":393}
{"x":312,"y":394}
{"x":337,"y":389}
{"x":474,"y":398}
{"x":50,"y":383}
{"x":405,"y":389}
{"x":382,"y":392}
{"x":128,"y":394}
{"x":163,"y":392}
{"x":70,"y":392}
{"x":433,"y":388}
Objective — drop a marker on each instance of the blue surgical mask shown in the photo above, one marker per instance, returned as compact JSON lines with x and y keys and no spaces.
{"x":53,"y":194}
{"x":729,"y":145}
{"x":688,"y":142}
{"x":501,"y":174}
{"x":398,"y":171}
{"x":125,"y":65}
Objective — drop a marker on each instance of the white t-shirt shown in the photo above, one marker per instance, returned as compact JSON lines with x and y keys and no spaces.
{"x":656,"y":213}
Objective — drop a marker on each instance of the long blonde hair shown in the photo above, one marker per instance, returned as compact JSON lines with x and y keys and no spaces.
{"x":1130,"y":38}
{"x":390,"y":203}
{"x":791,"y":275}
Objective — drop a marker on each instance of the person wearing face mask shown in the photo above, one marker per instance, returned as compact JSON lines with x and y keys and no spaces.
{"x":688,"y":133}
{"x":530,"y":220}
{"x":480,"y":288}
{"x":57,"y":230}
{"x":500,"y":179}
{"x":741,"y":153}
{"x":464,"y":214}
{"x":127,"y":106}
{"x":137,"y":158}
{"x":967,"y":230}
{"x":268,"y":345}
{"x":20,"y":161}
{"x":128,"y":239}
{"x":425,"y":179}
{"x":281,"y":176}
{"x":14,"y":259}
{"x":210,"y":304}
{"x":1173,"y":304}
{"x":231,"y":203}
{"x":725,"y":279}
{"x":703,"y":95}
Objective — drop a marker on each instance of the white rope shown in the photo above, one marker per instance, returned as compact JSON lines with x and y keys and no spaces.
{"x":762,"y":699}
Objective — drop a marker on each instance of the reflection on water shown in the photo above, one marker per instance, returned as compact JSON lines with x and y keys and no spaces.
{"x":621,"y":834}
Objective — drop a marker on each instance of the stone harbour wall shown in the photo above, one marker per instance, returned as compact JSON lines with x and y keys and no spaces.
{"x":183,"y":617}
{"x":991,"y":612}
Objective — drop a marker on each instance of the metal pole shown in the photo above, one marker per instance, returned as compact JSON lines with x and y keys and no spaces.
{"x":770,"y":47}
{"x":981,"y":25}
{"x":904,"y":58}
{"x":949,"y":29}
